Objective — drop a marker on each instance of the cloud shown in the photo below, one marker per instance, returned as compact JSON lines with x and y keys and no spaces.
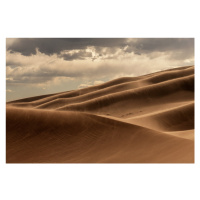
{"x":77,"y":55}
{"x":88,"y":84}
{"x":49,"y":46}
{"x":98,"y":82}
{"x":84,"y":85}
{"x":184,"y":47}
{"x":71,"y":49}
{"x":42,"y":68}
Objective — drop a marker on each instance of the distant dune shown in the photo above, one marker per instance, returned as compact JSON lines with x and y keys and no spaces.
{"x":146,"y":119}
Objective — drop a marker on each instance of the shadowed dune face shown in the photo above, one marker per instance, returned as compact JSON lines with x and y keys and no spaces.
{"x":147,"y":119}
{"x":175,"y":119}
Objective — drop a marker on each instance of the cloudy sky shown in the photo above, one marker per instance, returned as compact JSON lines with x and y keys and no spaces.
{"x":36,"y":66}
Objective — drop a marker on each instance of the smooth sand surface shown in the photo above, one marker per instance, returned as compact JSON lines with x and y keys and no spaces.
{"x":146,"y":119}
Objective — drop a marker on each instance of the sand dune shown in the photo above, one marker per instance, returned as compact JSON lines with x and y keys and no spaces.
{"x":117,"y":85}
{"x":59,"y":102}
{"x":176,"y":119}
{"x":146,"y":119}
{"x":95,"y":139}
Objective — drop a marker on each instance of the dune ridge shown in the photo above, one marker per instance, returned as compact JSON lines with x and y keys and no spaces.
{"x":145,"y":119}
{"x":155,"y":91}
{"x":120,"y":84}
{"x":61,"y":101}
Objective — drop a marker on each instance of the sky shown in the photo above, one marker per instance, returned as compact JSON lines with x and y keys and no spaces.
{"x":37,"y":66}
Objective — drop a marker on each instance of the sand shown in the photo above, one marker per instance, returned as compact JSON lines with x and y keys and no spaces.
{"x":146,"y":119}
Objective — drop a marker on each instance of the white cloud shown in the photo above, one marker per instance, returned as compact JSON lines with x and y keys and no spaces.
{"x":40,"y":69}
{"x":84,"y":85}
{"x":98,"y":82}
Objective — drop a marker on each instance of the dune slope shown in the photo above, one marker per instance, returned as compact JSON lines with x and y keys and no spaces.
{"x":146,"y":119}
{"x":96,"y":139}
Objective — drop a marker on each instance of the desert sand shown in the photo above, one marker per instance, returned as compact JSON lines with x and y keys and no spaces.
{"x":145,"y":119}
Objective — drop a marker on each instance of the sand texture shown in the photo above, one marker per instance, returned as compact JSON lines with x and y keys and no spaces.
{"x":145,"y":119}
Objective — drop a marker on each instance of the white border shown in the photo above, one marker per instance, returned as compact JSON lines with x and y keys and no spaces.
{"x":99,"y":19}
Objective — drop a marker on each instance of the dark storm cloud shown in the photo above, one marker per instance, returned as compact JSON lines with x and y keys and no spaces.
{"x":49,"y":46}
{"x":184,"y":46}
{"x":181,"y":47}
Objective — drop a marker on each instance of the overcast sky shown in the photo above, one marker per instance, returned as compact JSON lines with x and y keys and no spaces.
{"x":42,"y":66}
